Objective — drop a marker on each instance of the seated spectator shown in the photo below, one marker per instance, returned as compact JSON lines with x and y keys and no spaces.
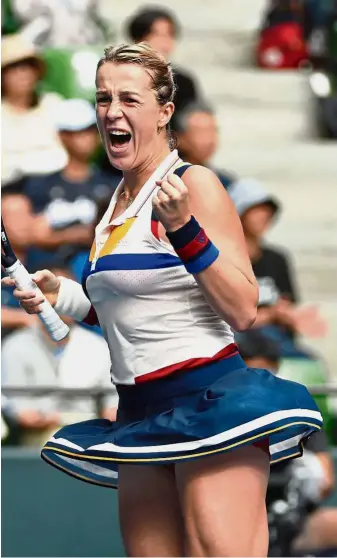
{"x":68,"y":198}
{"x":30,"y":143}
{"x":17,"y":216}
{"x":258,"y":351}
{"x":28,"y":231}
{"x":82,"y":360}
{"x":279,"y":313}
{"x":303,"y":484}
{"x":197,"y":135}
{"x":158,"y":27}
{"x":282,"y":42}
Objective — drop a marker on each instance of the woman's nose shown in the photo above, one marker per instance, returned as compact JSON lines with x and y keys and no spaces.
{"x":115,"y":110}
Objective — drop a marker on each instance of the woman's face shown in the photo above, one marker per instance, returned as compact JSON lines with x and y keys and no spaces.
{"x":128,"y":114}
{"x":20,"y":78}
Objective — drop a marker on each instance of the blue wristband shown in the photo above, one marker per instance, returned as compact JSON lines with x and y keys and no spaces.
{"x":193,"y":246}
{"x":204,"y":260}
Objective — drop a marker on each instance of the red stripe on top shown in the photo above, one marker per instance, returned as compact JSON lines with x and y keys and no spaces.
{"x":194,"y":247}
{"x":154,"y":229}
{"x":91,"y":317}
{"x":228,"y":351}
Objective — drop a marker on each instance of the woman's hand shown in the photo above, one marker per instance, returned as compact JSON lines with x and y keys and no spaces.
{"x":30,"y":301}
{"x":171,"y":203}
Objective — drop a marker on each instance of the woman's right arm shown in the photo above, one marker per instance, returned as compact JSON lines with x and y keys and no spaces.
{"x":65,"y":295}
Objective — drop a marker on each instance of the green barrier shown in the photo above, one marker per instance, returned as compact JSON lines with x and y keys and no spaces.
{"x":310,"y":373}
{"x":9,"y":21}
{"x":47,"y":513}
{"x":71,"y":72}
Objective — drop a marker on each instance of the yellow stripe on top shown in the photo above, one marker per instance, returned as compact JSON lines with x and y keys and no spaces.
{"x":118,"y":232}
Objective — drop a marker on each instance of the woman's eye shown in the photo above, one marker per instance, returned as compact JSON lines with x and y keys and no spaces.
{"x":130,"y":100}
{"x":102,"y":100}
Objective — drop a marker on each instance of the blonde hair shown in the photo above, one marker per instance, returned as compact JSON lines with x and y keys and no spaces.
{"x":157,"y":67}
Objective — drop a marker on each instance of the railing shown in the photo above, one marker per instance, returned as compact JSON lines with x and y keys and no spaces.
{"x":98,"y":393}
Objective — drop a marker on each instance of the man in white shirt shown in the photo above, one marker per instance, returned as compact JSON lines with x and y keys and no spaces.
{"x":81,"y":361}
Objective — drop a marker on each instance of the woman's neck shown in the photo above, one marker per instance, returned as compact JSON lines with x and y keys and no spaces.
{"x":135,"y":179}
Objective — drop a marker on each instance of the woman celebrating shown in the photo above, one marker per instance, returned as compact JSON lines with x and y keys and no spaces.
{"x":168,"y":278}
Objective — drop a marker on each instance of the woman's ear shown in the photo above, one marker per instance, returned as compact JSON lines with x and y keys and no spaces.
{"x":165,"y":114}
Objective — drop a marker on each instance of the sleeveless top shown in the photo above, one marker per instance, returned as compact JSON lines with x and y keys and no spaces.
{"x":151,"y":310}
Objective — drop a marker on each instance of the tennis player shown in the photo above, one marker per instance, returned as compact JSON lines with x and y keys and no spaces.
{"x":168,"y":279}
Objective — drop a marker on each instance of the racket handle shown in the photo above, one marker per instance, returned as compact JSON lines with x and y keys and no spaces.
{"x":56,"y":328}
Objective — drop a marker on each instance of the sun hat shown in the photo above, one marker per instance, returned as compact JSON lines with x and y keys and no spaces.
{"x":15,"y":48}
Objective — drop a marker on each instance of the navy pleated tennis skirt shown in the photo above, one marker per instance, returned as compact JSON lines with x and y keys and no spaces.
{"x":189,"y":415}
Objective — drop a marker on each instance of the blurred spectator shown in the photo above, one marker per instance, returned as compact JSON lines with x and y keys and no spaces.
{"x":58,"y":23}
{"x":13,"y":421}
{"x":323,"y":79}
{"x":158,"y":26}
{"x":31,"y":236}
{"x":297,"y":488}
{"x":29,"y":140}
{"x":282,"y":41}
{"x":82,"y":360}
{"x":18,"y":219}
{"x":68,"y":199}
{"x":197,"y":134}
{"x":278,"y":313}
{"x":258,"y":351}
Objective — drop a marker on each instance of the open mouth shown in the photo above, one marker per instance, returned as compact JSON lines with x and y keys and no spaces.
{"x":119,"y":138}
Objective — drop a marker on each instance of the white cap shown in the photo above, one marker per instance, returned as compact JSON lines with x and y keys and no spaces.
{"x":248,"y":192}
{"x":74,"y":115}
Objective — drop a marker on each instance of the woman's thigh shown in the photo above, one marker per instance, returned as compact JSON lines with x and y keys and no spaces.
{"x":150,"y":517}
{"x":223,"y":503}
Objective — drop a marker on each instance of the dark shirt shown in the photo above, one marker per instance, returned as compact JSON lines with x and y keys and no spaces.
{"x":8,"y":300}
{"x":318,"y":443}
{"x":187,"y":92}
{"x":226,"y":179}
{"x":66,"y":204}
{"x":43,"y":190}
{"x":274,"y":275}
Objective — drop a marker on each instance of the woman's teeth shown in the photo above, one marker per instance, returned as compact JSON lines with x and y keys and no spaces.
{"x":118,"y":137}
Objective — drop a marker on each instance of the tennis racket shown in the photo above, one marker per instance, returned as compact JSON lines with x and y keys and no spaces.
{"x":56,"y":328}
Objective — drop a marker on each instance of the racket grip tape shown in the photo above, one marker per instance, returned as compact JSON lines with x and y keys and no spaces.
{"x":56,"y":328}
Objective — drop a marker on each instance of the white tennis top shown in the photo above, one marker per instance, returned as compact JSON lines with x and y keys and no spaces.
{"x":151,"y":310}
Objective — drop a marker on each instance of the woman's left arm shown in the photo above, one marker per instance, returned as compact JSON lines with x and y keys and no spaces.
{"x":228,"y":284}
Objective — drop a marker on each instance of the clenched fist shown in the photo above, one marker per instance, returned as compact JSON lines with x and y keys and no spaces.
{"x":171,"y":203}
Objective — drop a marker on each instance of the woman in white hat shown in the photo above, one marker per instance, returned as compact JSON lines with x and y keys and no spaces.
{"x":30,"y":143}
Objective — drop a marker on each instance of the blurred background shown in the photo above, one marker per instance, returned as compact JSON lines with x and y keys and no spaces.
{"x":257,"y":103}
